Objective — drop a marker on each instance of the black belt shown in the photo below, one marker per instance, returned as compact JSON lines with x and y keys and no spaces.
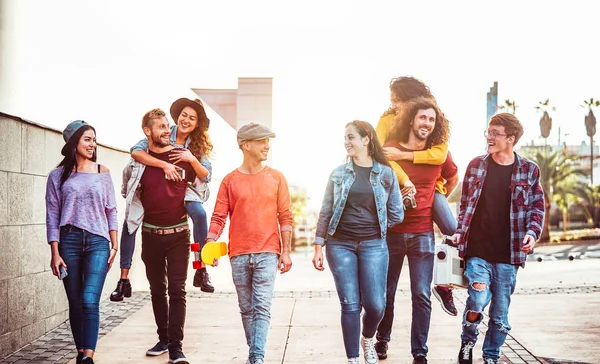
{"x":167,"y":231}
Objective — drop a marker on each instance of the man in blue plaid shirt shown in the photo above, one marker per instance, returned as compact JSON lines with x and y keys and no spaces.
{"x":501,"y":217}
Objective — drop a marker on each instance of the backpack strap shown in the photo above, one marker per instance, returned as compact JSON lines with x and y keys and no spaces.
{"x":98,"y":168}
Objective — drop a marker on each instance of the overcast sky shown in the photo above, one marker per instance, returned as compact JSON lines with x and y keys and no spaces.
{"x":110,"y":61}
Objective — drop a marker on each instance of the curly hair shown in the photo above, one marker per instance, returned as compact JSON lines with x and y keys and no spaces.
{"x":200,"y":142}
{"x":407,"y":88}
{"x":405,"y":117}
{"x":365,"y":129}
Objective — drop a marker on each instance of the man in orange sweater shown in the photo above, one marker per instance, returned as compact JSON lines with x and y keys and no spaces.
{"x":257,"y":200}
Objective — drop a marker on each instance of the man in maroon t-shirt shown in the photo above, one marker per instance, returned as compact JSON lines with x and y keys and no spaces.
{"x":419,"y":125}
{"x":165,"y":238}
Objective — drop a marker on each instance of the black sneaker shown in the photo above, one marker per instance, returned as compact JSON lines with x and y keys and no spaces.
{"x":123,"y":290}
{"x":444,"y":295}
{"x":419,"y":360}
{"x":465,"y":355}
{"x":79,"y":357}
{"x":158,"y":349}
{"x":176,"y":356}
{"x":202,"y":280}
{"x":87,"y":360}
{"x":381,"y":348}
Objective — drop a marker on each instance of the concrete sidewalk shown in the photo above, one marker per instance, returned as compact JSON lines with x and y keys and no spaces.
{"x":554,"y":314}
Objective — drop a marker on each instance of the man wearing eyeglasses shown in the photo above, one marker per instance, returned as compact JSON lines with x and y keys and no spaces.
{"x":500,"y":219}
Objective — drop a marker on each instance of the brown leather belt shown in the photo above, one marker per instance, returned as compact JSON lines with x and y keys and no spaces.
{"x":168,"y":231}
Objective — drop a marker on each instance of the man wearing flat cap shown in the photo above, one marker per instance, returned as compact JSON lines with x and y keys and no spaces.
{"x":257,"y":200}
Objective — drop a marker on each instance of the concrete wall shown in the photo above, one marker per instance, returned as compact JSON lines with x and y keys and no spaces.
{"x":32,"y":300}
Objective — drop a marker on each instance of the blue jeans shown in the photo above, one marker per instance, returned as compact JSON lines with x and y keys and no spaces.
{"x":500,"y":280}
{"x":254,"y":279}
{"x":86,"y":256}
{"x":442,"y":215}
{"x":196,"y":212}
{"x":359,"y":269}
{"x":419,"y":248}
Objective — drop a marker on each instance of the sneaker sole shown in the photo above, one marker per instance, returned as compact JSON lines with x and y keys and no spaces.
{"x":439,"y":298}
{"x":156,"y":353}
{"x":179,"y":361}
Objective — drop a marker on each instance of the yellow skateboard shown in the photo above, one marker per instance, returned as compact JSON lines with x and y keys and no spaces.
{"x":213,"y":250}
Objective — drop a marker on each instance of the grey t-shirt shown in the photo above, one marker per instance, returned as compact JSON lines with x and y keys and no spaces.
{"x":359,"y":219}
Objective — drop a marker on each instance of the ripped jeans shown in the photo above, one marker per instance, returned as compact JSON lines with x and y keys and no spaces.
{"x":500,"y":280}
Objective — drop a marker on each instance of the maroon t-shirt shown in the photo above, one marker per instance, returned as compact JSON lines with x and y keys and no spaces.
{"x":163,"y":199}
{"x":423,"y":176}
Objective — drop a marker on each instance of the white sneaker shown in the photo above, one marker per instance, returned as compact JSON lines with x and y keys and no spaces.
{"x":368,"y":346}
{"x":353,"y":361}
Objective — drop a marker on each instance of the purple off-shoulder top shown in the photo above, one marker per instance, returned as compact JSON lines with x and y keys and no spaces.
{"x":86,"y":200}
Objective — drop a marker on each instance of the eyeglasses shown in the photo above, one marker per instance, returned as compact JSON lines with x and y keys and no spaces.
{"x":492,"y":134}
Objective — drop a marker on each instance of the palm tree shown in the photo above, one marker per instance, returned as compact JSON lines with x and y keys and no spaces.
{"x":555,"y":168}
{"x":545,"y":120}
{"x":590,"y":127}
{"x":509,"y":106}
{"x":571,"y":191}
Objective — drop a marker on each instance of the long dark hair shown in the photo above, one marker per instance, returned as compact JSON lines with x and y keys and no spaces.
{"x":405,"y":117}
{"x":199,"y":142}
{"x":69,"y":162}
{"x":365,"y":129}
{"x":405,"y":89}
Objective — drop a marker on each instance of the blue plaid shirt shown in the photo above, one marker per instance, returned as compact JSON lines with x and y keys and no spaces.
{"x":526,"y":207}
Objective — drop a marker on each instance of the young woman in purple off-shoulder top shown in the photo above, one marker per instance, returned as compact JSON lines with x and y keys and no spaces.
{"x":81,"y":225}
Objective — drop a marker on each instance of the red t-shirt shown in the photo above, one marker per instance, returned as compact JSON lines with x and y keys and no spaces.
{"x":163,"y":199}
{"x":423,"y":176}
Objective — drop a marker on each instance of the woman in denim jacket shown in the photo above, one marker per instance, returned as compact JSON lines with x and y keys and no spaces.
{"x":361,"y":201}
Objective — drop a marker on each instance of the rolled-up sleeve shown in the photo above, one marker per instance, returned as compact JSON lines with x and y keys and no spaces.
{"x":284,"y":205}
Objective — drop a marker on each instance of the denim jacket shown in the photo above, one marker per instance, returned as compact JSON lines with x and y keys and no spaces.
{"x":388,"y":199}
{"x":197,"y":191}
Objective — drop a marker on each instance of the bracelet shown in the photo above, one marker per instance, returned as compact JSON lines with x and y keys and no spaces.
{"x":115,"y":249}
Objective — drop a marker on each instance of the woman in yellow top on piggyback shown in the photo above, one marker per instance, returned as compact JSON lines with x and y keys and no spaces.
{"x":403,"y":89}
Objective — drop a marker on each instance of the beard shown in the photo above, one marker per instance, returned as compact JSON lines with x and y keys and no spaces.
{"x":418,"y":135}
{"x":157,"y":140}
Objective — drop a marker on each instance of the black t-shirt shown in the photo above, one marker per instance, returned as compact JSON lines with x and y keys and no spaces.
{"x":489,"y":236}
{"x":359,"y":219}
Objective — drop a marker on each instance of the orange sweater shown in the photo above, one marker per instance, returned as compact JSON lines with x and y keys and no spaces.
{"x":258,"y":206}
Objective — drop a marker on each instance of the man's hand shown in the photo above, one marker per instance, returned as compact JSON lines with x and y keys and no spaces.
{"x":528,"y":244}
{"x":171,"y":172}
{"x":285,"y":262}
{"x":318,"y":258}
{"x":408,"y":188}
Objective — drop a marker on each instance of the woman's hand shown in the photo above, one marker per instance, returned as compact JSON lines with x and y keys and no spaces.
{"x":318,"y":258}
{"x":55,"y":264}
{"x":392,"y":153}
{"x":408,"y":188}
{"x":171,"y":172}
{"x":111,"y":257}
{"x":181,"y":155}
